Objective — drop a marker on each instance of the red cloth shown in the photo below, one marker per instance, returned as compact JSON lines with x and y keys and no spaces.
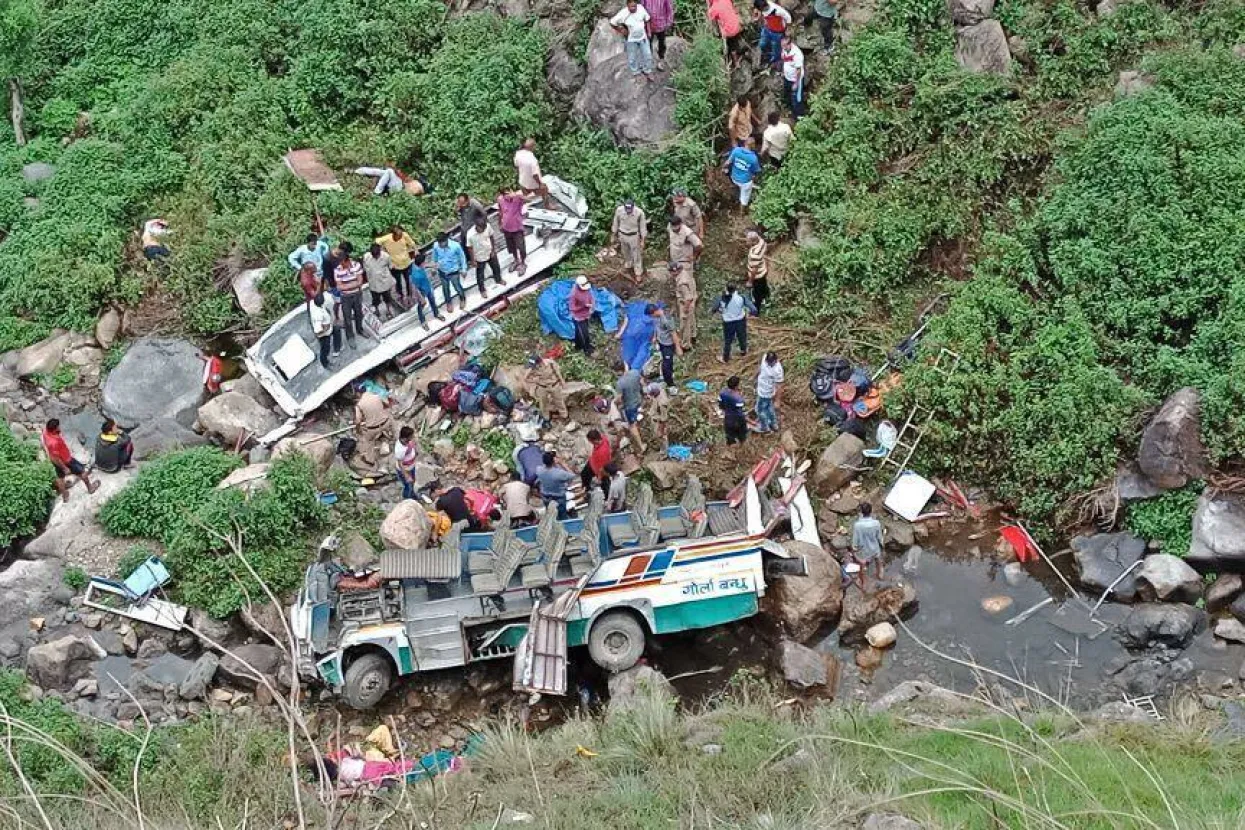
{"x":602,"y":454}
{"x":723,"y":11}
{"x":310,"y":281}
{"x":1020,"y":542}
{"x":582,"y":303}
{"x":56,"y":448}
{"x":775,"y":23}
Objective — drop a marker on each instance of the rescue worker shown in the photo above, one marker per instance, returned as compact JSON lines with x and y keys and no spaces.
{"x":685,"y":295}
{"x":373,"y":424}
{"x":629,"y":232}
{"x":685,"y":208}
{"x":548,"y":387}
{"x":113,"y":448}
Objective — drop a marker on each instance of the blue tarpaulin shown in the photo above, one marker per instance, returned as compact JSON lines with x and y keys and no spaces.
{"x":637,"y":338}
{"x":554,"y":309}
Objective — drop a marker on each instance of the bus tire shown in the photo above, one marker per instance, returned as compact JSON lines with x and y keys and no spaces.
{"x":367,"y":680}
{"x":616,"y":641}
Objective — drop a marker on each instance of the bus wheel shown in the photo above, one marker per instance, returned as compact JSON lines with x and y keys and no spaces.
{"x":616,"y":641}
{"x":367,"y":680}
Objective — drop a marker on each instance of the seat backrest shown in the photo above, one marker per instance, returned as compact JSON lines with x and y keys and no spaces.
{"x":452,"y":541}
{"x":547,"y":523}
{"x":644,"y":505}
{"x":693,"y":496}
{"x":591,"y":535}
{"x":508,"y":560}
{"x":501,"y":536}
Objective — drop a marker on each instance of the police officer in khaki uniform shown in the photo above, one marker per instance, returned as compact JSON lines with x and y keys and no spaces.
{"x":685,"y":295}
{"x":686,"y":209}
{"x":685,"y":249}
{"x":545,"y":381}
{"x":629,"y":231}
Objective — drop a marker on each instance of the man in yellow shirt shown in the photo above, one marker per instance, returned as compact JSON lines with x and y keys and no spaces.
{"x":399,"y":245}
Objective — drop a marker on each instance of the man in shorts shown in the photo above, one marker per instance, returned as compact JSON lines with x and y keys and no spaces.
{"x":63,"y":461}
{"x":630,"y":397}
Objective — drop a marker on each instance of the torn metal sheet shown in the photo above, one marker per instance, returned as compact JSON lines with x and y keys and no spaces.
{"x":909,"y":495}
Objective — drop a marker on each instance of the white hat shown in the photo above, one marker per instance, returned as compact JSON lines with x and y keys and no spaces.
{"x":581,"y":281}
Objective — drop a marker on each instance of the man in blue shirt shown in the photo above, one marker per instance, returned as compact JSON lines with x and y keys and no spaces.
{"x":734,"y":308}
{"x":553,"y":478}
{"x":734,"y":412}
{"x":743,"y":166}
{"x":450,"y":262}
{"x":419,"y":279}
{"x":316,"y":249}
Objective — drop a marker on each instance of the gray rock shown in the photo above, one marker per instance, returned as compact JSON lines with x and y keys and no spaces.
{"x":157,"y":378}
{"x":108,"y":328}
{"x":1171,"y":452}
{"x":151,"y":648}
{"x":37,"y":171}
{"x":211,"y":632}
{"x":162,"y":435}
{"x":1237,"y":608}
{"x":241,"y":664}
{"x":631,"y":688}
{"x":1131,"y":83}
{"x":1230,"y":629}
{"x":564,"y":74}
{"x":43,"y":357}
{"x":73,"y":530}
{"x":1167,"y":624}
{"x":319,"y":449}
{"x":28,"y":588}
{"x":1105,"y":8}
{"x":1223,"y":591}
{"x":983,"y":48}
{"x":636,"y":111}
{"x":1132,"y":485}
{"x":195,"y":685}
{"x":164,"y":676}
{"x":1117,"y":711}
{"x":1103,"y":557}
{"x":803,"y":604}
{"x":356,"y":552}
{"x":922,"y":694}
{"x":1169,"y":578}
{"x":1218,"y":534}
{"x":970,"y":12}
{"x":667,"y":474}
{"x":604,"y":45}
{"x":58,"y":664}
{"x":899,"y":533}
{"x":802,"y":667}
{"x":265,"y":621}
{"x":839,"y":463}
{"x":246,"y":290}
{"x":232,"y":414}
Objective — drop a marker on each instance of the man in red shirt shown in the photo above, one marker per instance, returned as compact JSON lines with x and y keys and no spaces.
{"x":602,"y":454}
{"x":583,"y":304}
{"x":722,"y":13}
{"x":62,"y":459}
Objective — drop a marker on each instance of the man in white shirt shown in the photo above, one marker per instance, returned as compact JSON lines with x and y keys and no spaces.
{"x":793,"y":75}
{"x":633,"y":23}
{"x":776,"y":139}
{"x":322,"y":327}
{"x":530,"y":181}
{"x":770,"y":379}
{"x":483,"y":252}
{"x":516,"y":497}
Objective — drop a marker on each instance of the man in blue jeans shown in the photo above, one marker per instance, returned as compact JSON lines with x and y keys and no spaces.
{"x":552,"y":479}
{"x":667,"y":334}
{"x":404,"y":456}
{"x":774,"y":20}
{"x":422,"y":285}
{"x":770,"y":379}
{"x":734,"y":309}
{"x":450,"y":262}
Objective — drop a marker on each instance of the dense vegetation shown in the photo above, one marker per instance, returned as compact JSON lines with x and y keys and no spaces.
{"x":25,"y":488}
{"x":174,"y":500}
{"x":1092,"y":247}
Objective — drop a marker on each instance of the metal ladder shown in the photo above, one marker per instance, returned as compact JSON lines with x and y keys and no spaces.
{"x":913,"y":429}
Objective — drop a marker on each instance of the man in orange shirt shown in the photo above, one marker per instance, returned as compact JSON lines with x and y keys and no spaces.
{"x":723,"y":14}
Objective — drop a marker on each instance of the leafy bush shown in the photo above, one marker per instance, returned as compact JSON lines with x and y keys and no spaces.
{"x":75,"y":578}
{"x":134,"y":556}
{"x":274,"y":523}
{"x":157,"y":504}
{"x":25,"y":488}
{"x":1167,"y":519}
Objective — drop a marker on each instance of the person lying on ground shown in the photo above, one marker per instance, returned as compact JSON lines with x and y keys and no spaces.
{"x":154,"y":231}
{"x":452,"y":501}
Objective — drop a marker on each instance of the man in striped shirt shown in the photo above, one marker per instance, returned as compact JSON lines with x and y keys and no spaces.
{"x":758,"y":268}
{"x":348,"y":275}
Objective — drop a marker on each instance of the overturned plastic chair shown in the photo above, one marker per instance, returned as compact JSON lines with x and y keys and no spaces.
{"x":887,"y":437}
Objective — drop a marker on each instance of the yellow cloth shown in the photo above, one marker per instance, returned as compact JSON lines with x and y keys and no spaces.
{"x":441,"y":523}
{"x":399,"y":249}
{"x":382,"y":739}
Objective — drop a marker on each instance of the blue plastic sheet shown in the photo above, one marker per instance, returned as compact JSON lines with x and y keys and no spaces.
{"x":679,"y":452}
{"x":637,"y":339}
{"x":554,"y":309}
{"x":697,"y":386}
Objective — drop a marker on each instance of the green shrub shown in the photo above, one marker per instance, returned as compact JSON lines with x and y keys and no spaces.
{"x":275,"y":524}
{"x":75,"y":578}
{"x":168,"y":489}
{"x":1167,"y":519}
{"x":26,"y":489}
{"x":134,"y":556}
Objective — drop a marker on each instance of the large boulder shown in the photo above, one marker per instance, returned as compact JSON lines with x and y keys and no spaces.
{"x":108,"y":328}
{"x":30,"y":588}
{"x":232,"y":414}
{"x":194,"y":685}
{"x":970,"y":12}
{"x":72,"y":531}
{"x":357,"y":553}
{"x":241,"y":664}
{"x":406,"y":527}
{"x":162,"y":435}
{"x":983,"y":48}
{"x":56,"y":665}
{"x":157,"y":378}
{"x":839,"y":463}
{"x":1132,"y":485}
{"x":43,"y":357}
{"x":603,"y":45}
{"x":438,"y":370}
{"x":1169,"y":578}
{"x":246,"y":290}
{"x":1218,"y":534}
{"x":1171,"y":451}
{"x":802,"y":667}
{"x":564,"y":74}
{"x":862,"y":611}
{"x":1223,"y":591}
{"x":637,"y":111}
{"x":315,"y":446}
{"x":37,"y":171}
{"x":803,"y":604}
{"x":1166,"y":624}
{"x":513,"y":378}
{"x":1104,"y":557}
{"x":630,"y":689}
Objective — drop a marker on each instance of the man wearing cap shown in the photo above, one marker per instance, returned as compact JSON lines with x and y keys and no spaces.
{"x":373,"y":425}
{"x":686,"y":209}
{"x":659,"y":411}
{"x":630,"y":231}
{"x":583,"y":305}
{"x":545,"y":380}
{"x":666,"y":332}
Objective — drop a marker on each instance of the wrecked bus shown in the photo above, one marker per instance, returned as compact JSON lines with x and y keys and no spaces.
{"x":604,"y":581}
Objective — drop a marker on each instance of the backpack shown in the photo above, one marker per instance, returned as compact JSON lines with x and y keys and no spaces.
{"x":469,"y":402}
{"x":826,"y":373}
{"x":449,"y":397}
{"x":502,"y":398}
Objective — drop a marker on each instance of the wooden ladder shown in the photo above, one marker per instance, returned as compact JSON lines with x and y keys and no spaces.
{"x":918,"y":420}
